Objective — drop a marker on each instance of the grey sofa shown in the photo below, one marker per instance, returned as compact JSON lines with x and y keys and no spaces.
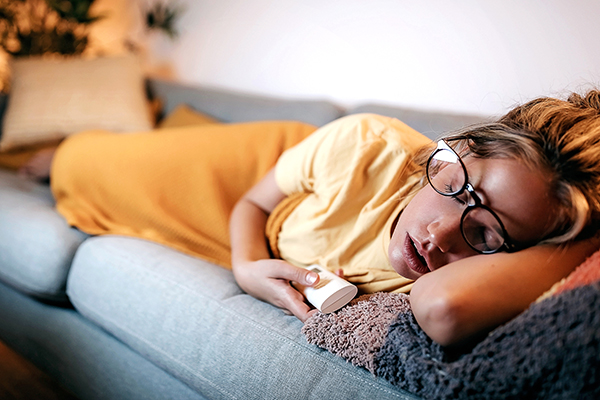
{"x":121,"y":318}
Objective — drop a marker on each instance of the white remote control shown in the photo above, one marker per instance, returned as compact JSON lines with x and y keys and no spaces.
{"x":330,"y":294}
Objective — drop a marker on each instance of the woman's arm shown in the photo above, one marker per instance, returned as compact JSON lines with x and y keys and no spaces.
{"x":258,"y":275}
{"x":470,"y":297}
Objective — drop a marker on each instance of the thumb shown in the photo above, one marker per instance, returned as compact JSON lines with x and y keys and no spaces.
{"x":311,"y":278}
{"x":305,"y":277}
{"x":289,"y":272}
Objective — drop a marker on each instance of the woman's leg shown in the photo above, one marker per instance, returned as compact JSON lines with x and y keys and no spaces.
{"x":176,"y":187}
{"x":38,"y":166}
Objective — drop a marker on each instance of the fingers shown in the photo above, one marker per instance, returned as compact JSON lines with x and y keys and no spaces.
{"x":297,"y":306}
{"x":288,"y":272}
{"x":306,"y":316}
{"x":303,"y":317}
{"x":288,"y":298}
{"x":269,"y":280}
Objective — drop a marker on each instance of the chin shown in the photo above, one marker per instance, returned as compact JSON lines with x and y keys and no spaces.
{"x":409,"y":274}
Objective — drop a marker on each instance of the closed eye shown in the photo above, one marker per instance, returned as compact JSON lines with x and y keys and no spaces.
{"x":458,"y":200}
{"x":448,"y":188}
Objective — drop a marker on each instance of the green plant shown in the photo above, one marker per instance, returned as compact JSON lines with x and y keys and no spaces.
{"x":162,"y":16}
{"x":34,"y":27}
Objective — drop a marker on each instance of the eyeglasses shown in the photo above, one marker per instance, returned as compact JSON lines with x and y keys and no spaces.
{"x":480,"y":226}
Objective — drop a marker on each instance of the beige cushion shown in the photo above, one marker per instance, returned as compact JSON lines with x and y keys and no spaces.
{"x":51,"y":99}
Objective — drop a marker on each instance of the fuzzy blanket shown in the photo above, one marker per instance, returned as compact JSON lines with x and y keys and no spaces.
{"x":550,"y":351}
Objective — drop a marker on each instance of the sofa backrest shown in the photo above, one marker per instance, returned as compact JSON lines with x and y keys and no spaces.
{"x":432,"y":124}
{"x":229,"y":106}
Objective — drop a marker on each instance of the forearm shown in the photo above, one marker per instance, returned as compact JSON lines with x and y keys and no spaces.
{"x":249,"y":218}
{"x":472,"y":296}
{"x":258,"y":275}
{"x":247,"y":231}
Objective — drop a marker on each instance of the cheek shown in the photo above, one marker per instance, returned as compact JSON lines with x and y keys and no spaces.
{"x":422,"y":207}
{"x":394,"y":253}
{"x":413,"y":220}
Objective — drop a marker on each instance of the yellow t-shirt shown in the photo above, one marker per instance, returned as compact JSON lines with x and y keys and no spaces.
{"x":358,"y":176}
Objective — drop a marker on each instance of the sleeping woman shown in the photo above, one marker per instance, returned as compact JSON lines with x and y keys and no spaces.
{"x":476,"y":225}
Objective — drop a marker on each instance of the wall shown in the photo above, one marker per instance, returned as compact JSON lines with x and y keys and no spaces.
{"x":460,"y":56}
{"x":463,"y":56}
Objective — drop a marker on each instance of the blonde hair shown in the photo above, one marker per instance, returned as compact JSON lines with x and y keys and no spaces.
{"x":560,"y":138}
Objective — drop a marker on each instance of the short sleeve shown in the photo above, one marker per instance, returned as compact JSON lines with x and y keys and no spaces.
{"x":320,"y":162}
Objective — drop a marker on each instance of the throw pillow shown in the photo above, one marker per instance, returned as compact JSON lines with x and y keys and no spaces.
{"x":54,"y":98}
{"x":183,"y":115}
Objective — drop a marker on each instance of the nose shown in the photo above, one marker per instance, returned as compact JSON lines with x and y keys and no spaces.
{"x":444,"y":232}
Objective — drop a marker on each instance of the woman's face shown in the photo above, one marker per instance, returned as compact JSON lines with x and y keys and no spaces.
{"x":427,"y":235}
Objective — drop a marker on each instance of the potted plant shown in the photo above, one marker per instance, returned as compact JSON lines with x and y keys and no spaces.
{"x":36,"y":27}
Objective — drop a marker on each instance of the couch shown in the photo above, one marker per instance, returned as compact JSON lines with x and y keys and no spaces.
{"x":114,"y":317}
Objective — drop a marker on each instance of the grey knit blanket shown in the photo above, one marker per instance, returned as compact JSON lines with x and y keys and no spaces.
{"x":550,"y":351}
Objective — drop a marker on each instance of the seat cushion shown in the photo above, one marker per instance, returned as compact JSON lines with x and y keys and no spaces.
{"x":36,"y":244}
{"x":190,"y":318}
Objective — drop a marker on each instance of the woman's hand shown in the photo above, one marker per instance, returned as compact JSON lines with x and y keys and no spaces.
{"x":258,"y":275}
{"x":269,"y":280}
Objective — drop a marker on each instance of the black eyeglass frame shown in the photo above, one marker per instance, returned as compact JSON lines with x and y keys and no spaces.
{"x":442,"y":145}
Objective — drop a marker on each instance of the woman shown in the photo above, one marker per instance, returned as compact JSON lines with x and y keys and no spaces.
{"x":507,"y":208}
{"x":530,"y":179}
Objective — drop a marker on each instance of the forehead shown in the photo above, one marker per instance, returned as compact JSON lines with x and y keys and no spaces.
{"x":518,"y":194}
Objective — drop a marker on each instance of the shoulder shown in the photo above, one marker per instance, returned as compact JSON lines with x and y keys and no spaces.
{"x":348,"y":143}
{"x":358,"y":128}
{"x":369,"y":127}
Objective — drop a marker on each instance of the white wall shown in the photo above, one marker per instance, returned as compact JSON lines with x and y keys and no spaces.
{"x":479,"y":56}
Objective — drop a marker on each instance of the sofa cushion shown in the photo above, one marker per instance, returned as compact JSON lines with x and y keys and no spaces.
{"x":230,"y":106}
{"x":36,"y":244}
{"x":190,"y":318}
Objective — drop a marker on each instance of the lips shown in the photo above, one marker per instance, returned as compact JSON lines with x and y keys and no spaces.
{"x":413,"y":259}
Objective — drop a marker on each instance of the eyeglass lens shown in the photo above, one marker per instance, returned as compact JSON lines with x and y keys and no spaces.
{"x":446,"y":173}
{"x":482,"y":230}
{"x":480,"y":227}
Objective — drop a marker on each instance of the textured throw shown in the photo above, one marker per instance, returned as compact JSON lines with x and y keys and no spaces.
{"x":550,"y":351}
{"x":175,"y":186}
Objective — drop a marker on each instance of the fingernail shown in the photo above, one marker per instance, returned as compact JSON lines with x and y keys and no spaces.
{"x":311,"y":278}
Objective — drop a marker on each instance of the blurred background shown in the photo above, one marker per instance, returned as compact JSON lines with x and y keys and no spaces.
{"x":469,"y":56}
